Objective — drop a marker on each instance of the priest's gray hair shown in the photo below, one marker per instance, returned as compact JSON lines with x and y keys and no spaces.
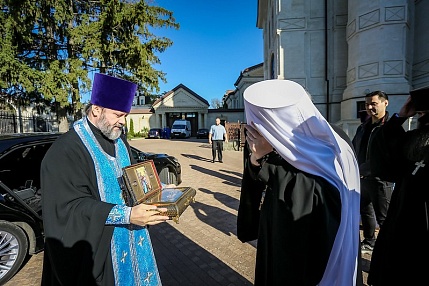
{"x":88,"y":108}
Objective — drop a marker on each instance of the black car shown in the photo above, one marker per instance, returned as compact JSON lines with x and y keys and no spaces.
{"x":155,"y":133}
{"x":21,"y":225}
{"x":168,"y":167}
{"x":203,"y":133}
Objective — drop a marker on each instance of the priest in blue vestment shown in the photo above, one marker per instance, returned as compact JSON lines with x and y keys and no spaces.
{"x":92,"y":236}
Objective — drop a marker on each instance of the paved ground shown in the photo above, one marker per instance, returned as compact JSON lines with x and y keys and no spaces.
{"x":202,"y":249}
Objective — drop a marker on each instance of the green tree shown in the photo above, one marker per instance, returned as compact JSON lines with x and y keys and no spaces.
{"x":49,"y":47}
{"x":131,"y":130}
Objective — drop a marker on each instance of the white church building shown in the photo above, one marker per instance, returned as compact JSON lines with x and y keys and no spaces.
{"x":340,"y":50}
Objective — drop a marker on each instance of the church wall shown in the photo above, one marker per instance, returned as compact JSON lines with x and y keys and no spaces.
{"x":377,"y":59}
{"x":247,"y":79}
{"x":336,"y":58}
{"x":302,"y":58}
{"x":140,"y":121}
{"x":420,"y":65}
{"x":226,"y":115}
{"x":355,"y":48}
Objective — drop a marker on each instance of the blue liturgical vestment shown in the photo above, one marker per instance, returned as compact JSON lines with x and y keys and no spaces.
{"x":132,"y":255}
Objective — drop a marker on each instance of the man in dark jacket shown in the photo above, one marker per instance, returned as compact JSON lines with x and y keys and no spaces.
{"x":404,"y":158}
{"x":375,"y":193}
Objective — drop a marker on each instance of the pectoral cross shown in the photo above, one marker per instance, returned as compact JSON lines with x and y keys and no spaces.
{"x":262,"y":200}
{"x":418,"y":165}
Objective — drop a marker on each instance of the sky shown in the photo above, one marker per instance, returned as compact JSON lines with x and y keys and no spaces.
{"x":216,"y":41}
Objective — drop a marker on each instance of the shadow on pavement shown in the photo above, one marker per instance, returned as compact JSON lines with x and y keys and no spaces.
{"x":183,"y":262}
{"x":230,"y":180}
{"x":214,"y":217}
{"x":195,"y":157}
{"x":227,"y":200}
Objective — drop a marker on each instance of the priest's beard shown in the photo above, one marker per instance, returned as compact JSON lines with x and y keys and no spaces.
{"x":109,"y":130}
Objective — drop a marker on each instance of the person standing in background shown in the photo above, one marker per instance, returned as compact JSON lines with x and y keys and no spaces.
{"x":375,"y":193}
{"x":217,"y":135}
{"x":403,"y":157}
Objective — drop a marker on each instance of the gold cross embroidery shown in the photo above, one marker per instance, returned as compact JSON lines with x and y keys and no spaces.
{"x":418,"y":166}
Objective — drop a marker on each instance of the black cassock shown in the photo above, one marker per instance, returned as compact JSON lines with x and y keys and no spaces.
{"x":77,"y":247}
{"x":296,"y":226}
{"x":401,"y":252}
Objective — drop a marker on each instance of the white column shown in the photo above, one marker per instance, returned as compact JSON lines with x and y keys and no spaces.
{"x":200,"y":118}
{"x":205,"y":120}
{"x":164,"y":120}
{"x":377,"y":60}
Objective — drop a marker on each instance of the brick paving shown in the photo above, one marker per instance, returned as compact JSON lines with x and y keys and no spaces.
{"x":202,"y":249}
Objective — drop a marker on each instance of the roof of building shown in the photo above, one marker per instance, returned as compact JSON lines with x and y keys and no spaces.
{"x":177,"y":88}
{"x":247,"y":71}
{"x":140,"y":110}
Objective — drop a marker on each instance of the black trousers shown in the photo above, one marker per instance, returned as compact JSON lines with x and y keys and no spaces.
{"x":217,"y":145}
{"x":374,"y":202}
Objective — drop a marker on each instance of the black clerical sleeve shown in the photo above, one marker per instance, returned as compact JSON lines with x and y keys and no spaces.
{"x":299,"y":220}
{"x":250,"y":198}
{"x":385,"y":150}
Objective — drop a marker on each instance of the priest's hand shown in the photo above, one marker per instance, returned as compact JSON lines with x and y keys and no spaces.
{"x":258,"y":145}
{"x":147,"y":215}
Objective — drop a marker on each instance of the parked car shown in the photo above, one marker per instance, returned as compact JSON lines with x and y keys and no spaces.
{"x":168,"y":167}
{"x":181,"y":129}
{"x":21,"y":224}
{"x":202,"y":133}
{"x":155,"y":133}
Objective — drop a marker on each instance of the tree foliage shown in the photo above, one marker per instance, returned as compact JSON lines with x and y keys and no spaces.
{"x":131,"y":130}
{"x":49,"y":48}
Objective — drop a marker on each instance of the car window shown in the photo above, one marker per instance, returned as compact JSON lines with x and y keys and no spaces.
{"x":179,"y":126}
{"x":20,"y":168}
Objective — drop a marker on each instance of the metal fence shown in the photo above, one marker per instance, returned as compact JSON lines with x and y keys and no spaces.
{"x":236,"y":134}
{"x":12,"y":123}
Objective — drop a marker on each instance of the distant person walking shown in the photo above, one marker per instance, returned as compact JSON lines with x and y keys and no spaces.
{"x":216,"y":136}
{"x":375,"y":193}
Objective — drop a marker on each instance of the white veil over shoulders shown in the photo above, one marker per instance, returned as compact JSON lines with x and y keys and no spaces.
{"x":282,"y":112}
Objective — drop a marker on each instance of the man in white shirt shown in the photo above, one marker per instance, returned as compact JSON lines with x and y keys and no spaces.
{"x":217,"y":135}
